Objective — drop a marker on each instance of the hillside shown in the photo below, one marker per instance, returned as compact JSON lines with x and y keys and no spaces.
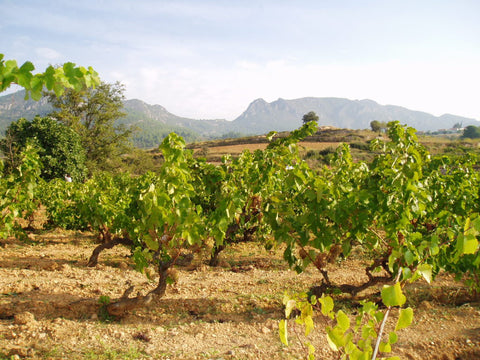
{"x":14,"y":106}
{"x":284,"y":115}
{"x":154,"y":122}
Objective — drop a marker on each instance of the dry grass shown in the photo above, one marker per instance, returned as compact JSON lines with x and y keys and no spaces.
{"x":234,"y":150}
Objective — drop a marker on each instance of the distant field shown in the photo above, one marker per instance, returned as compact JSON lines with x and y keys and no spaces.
{"x":318,"y":145}
{"x":329,"y":139}
{"x":237,"y":149}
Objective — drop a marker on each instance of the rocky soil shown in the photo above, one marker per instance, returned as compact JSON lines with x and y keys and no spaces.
{"x":50,"y":307}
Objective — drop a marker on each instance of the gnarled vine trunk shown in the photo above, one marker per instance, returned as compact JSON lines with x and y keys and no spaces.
{"x":353,"y":290}
{"x":93,"y":261}
{"x":125,"y":304}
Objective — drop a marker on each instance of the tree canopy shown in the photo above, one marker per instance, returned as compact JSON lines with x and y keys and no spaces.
{"x":311,"y":116}
{"x":58,"y":146}
{"x":93,"y":114}
{"x":378,"y":126}
{"x":471,"y":132}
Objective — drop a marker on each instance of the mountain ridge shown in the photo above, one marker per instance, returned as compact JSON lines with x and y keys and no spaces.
{"x":340,"y":112}
{"x":260,"y":117}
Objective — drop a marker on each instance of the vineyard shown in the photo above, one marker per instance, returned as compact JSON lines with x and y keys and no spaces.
{"x":259,"y":256}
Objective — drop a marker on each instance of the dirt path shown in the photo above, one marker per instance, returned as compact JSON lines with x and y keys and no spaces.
{"x":49,"y":308}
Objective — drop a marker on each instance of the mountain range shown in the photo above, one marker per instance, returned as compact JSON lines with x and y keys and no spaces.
{"x":155,"y":122}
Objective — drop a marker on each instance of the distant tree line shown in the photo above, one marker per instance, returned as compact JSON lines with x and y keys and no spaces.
{"x":150,"y":136}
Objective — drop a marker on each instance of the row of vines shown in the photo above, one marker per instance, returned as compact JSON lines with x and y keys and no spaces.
{"x":412,"y":214}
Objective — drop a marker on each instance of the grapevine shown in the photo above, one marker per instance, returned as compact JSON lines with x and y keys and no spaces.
{"x":413,"y":216}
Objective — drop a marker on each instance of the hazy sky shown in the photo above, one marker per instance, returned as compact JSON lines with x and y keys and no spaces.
{"x":210,"y":59}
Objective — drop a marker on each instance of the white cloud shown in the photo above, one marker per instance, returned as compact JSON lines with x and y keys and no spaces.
{"x":48,"y":54}
{"x":210,"y":60}
{"x":209,"y":92}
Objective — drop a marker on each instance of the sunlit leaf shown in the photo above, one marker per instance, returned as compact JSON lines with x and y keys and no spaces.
{"x":343,"y":320}
{"x":426,"y":271}
{"x":327,"y":305}
{"x":385,"y":347}
{"x":392,"y":295}
{"x":309,"y":326}
{"x":289,"y":306}
{"x":405,"y":318}
{"x":282,"y":326}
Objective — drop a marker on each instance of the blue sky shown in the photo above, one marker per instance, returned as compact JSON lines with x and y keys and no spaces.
{"x":210,"y":59}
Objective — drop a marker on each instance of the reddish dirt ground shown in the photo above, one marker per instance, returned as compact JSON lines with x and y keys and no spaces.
{"x":49,"y":307}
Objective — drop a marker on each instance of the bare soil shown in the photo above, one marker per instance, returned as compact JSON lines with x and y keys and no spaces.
{"x":49,"y":307}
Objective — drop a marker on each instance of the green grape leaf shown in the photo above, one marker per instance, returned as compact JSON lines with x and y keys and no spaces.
{"x":10,"y":66}
{"x":151,"y":243}
{"x":354,"y":352}
{"x":385,"y":347}
{"x":426,"y":271}
{"x":282,"y":327}
{"x":289,"y":306}
{"x":406,"y":273}
{"x":335,"y":339}
{"x":404,"y":319}
{"x":308,"y":325}
{"x":50,"y":77}
{"x":409,"y":257}
{"x":467,"y":225}
{"x":393,"y":337}
{"x":476,"y":224}
{"x":327,"y":305}
{"x":343,"y":320}
{"x":311,"y":351}
{"x":392,"y":295}
{"x":470,"y":244}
